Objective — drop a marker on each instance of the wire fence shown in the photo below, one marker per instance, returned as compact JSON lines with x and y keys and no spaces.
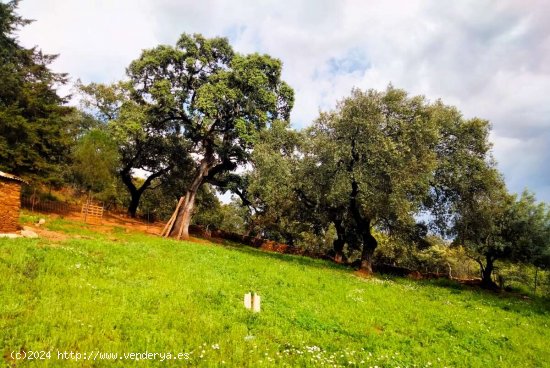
{"x":46,"y":206}
{"x":36,"y":204}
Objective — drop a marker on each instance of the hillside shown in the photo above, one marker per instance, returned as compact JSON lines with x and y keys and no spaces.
{"x":118,"y":292}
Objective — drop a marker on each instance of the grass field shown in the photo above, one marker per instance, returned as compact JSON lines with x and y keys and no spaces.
{"x":118,"y":292}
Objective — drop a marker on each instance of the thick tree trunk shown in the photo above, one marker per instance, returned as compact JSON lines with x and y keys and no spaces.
{"x":178,"y":225}
{"x":135,"y":192}
{"x":369,"y":245}
{"x":339,"y":242}
{"x":363,"y":224}
{"x":134,"y":203}
{"x":180,"y":230}
{"x":487,"y":273}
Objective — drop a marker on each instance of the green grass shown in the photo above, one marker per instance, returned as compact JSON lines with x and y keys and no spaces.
{"x":128,"y":292}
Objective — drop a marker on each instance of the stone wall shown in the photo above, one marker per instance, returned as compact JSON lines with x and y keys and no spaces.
{"x":10,"y":203}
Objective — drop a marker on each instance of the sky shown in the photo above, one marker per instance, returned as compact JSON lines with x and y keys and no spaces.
{"x":491,"y":59}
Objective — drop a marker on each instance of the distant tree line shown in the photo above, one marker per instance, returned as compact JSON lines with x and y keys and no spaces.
{"x":196,"y":119}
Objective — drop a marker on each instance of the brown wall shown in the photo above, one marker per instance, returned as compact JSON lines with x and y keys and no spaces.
{"x":10,"y":203}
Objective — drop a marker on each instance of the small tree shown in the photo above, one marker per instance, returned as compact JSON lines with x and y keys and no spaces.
{"x":95,"y":161}
{"x":469,"y":202}
{"x":499,"y":226}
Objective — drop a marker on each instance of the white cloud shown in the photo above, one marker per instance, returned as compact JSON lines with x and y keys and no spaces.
{"x":489,"y":58}
{"x":96,"y":39}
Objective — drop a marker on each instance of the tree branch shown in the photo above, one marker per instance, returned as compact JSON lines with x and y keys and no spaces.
{"x":152,"y":177}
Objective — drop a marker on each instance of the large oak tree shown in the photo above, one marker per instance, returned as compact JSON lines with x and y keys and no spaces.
{"x":370,"y":162}
{"x":216,"y":100}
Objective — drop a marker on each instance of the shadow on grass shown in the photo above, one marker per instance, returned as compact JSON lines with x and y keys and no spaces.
{"x":289,"y":258}
{"x":508,"y":301}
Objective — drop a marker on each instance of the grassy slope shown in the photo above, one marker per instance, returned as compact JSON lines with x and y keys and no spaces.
{"x":118,"y":292}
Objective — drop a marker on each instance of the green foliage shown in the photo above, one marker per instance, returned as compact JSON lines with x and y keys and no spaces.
{"x":496,"y":225}
{"x":381,"y":159}
{"x":190,"y":113}
{"x":215,"y":99}
{"x":368,"y":164}
{"x":270,"y":186}
{"x":142,"y":142}
{"x":439,"y":258}
{"x":208,"y":209}
{"x":95,"y":161}
{"x":320,"y":242}
{"x":209,"y":93}
{"x":128,"y":292}
{"x":465,"y":168}
{"x":528,"y":229}
{"x":214,"y":215}
{"x":234,"y":217}
{"x":34,"y":124}
{"x":523,"y":278}
{"x":157,"y":204}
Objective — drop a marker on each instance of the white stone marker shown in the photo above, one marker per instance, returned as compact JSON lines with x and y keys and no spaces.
{"x":252,"y":301}
{"x":248,"y":301}
{"x":255,"y":303}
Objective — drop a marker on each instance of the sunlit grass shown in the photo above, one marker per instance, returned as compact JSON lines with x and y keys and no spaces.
{"x":129,"y":292}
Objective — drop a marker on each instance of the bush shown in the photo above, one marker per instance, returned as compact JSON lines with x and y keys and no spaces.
{"x":440,"y":258}
{"x":521,"y":277}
